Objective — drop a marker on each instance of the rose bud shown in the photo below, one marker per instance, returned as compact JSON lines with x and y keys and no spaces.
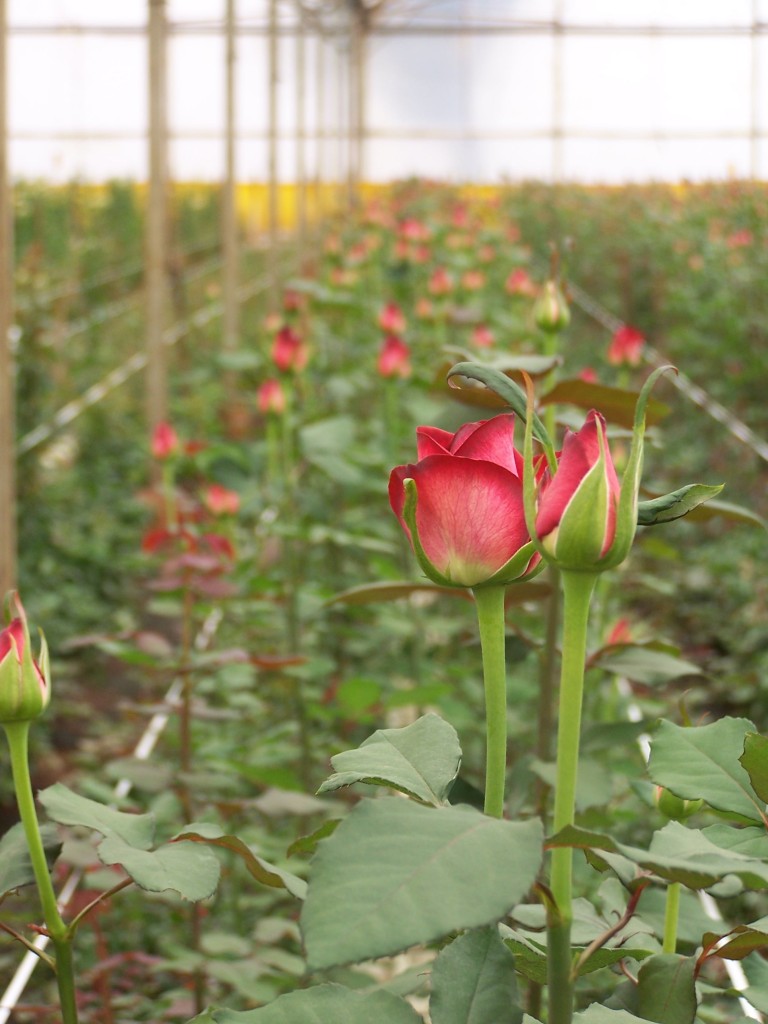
{"x":24,"y":682}
{"x":391,"y":319}
{"x":551,"y":311}
{"x":577,"y":507}
{"x":165,"y":441}
{"x":394,"y":358}
{"x":461,"y":505}
{"x":270,"y":398}
{"x":289,"y":352}
{"x":220,"y":501}
{"x":626,"y":347}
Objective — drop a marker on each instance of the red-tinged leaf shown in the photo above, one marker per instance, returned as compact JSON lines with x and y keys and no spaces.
{"x":274,"y":662}
{"x":616,"y":404}
{"x":745,"y":940}
{"x":262,"y":871}
{"x":213,"y":587}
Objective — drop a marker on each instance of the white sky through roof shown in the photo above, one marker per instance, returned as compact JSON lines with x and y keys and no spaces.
{"x":458,"y":107}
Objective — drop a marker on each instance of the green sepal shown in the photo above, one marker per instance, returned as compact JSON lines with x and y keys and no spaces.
{"x":409,"y":515}
{"x":529,"y":477}
{"x":512,"y":571}
{"x":626,"y":515}
{"x":509,"y":391}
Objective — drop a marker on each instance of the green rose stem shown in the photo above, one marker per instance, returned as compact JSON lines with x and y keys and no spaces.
{"x":490,"y":616}
{"x":61,"y":937}
{"x":577,"y":594}
{"x":671,"y":915}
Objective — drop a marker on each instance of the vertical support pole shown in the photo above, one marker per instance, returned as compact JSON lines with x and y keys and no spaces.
{"x":301,"y":129}
{"x":157,"y":228}
{"x":7,"y":375}
{"x":754,"y":126}
{"x":272,"y":196}
{"x":229,"y":210}
{"x":320,"y":127}
{"x":557,"y":95}
{"x":356,"y":100}
{"x":341,"y":129}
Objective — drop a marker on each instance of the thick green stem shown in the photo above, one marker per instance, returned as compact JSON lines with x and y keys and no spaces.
{"x":671,"y":916}
{"x":577,"y":594}
{"x":490,"y":617}
{"x":18,"y":743}
{"x":547,"y":676}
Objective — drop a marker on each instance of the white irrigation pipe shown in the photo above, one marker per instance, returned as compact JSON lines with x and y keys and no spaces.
{"x":733,"y":967}
{"x":141,"y":752}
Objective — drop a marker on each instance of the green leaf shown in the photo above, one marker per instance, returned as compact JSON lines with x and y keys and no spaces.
{"x":326,"y":443}
{"x":643,"y":663}
{"x":596,"y":1014}
{"x":755,"y":762}
{"x":324,"y":1004}
{"x":702,"y":763}
{"x":676,"y":504}
{"x":473,"y":981}
{"x":406,"y":874}
{"x":192,"y":873}
{"x":506,"y":389}
{"x":749,"y":840}
{"x":421,"y":759}
{"x":666,"y":990}
{"x":616,"y":404}
{"x":677,"y":853}
{"x":66,"y":807}
{"x":15,"y":864}
{"x":308,"y":843}
{"x":261,"y":870}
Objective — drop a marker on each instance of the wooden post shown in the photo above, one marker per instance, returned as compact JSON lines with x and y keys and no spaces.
{"x":157,"y":229}
{"x":301,"y":129}
{"x":7,"y":377}
{"x":229,"y":204}
{"x":272,"y":196}
{"x":340,"y":118}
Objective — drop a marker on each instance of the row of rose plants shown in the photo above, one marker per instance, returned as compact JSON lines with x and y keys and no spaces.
{"x":295,"y":445}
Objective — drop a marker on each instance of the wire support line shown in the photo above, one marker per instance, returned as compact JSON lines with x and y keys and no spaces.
{"x":147,"y":743}
{"x":69,"y":289}
{"x":113,"y":310}
{"x":692,"y":391}
{"x":138,"y":361}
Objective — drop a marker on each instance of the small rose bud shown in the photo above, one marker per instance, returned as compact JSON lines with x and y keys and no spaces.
{"x":674,"y":808}
{"x":270,"y":398}
{"x":551,"y":311}
{"x":165,"y":441}
{"x":24,"y":682}
{"x":391,"y":319}
{"x":220,"y":501}
{"x":394,"y":358}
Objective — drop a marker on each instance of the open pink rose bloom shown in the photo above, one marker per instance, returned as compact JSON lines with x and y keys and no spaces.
{"x":469,"y":511}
